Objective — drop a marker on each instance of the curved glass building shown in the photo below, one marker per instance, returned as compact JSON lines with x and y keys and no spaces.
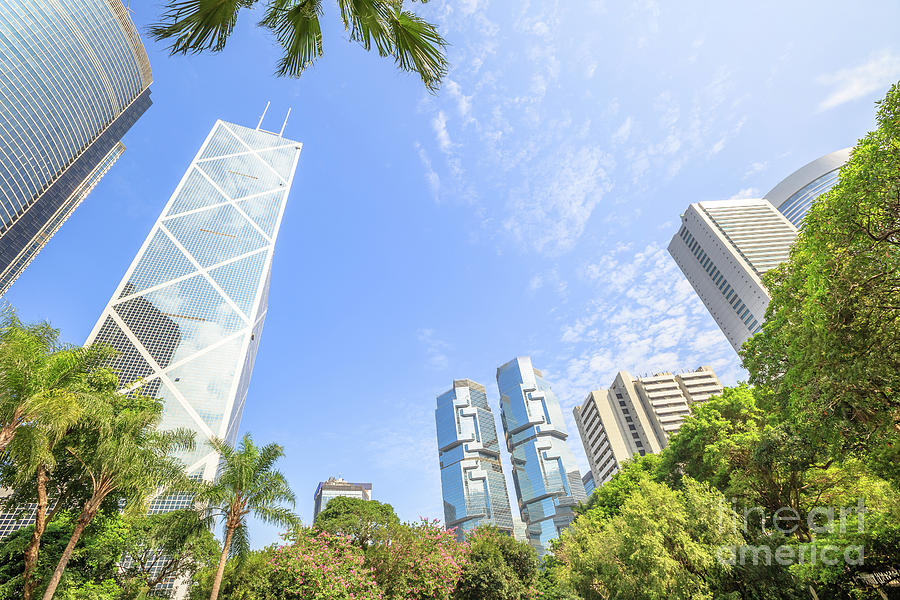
{"x":546,"y":477}
{"x":472,"y":482}
{"x":794,"y":195}
{"x":74,"y":77}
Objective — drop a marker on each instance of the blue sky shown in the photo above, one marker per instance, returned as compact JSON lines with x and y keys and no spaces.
{"x":523,"y":210}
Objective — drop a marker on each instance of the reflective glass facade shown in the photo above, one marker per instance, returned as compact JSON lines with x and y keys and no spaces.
{"x":548,"y":482}
{"x":472,"y":481}
{"x":188,"y":314}
{"x":336,"y":488}
{"x":799,"y":203}
{"x":74,"y":78}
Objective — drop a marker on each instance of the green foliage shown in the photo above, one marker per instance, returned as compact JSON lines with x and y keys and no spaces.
{"x":413,"y":43}
{"x":607,"y":500}
{"x":246,"y":577}
{"x":360,"y":519}
{"x":499,"y":567}
{"x":549,"y":586}
{"x":417,"y":561}
{"x":828,"y":350}
{"x":320,"y":566}
{"x":662,"y":544}
{"x":92,"y":566}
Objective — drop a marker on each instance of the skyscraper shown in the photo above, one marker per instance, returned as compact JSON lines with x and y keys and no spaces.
{"x":75,"y":79}
{"x":472,"y":481}
{"x":637,"y":416}
{"x":188,"y":314}
{"x":547,"y":480}
{"x":725,"y":247}
{"x":337,"y":487}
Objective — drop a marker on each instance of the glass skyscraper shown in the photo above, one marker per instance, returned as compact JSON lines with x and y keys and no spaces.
{"x":74,"y":77}
{"x":548,"y":482}
{"x":188,"y":314}
{"x":472,"y":481}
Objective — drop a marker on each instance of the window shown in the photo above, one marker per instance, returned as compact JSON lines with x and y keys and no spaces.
{"x":622,"y":403}
{"x":628,"y":419}
{"x":639,"y":444}
{"x":632,"y":427}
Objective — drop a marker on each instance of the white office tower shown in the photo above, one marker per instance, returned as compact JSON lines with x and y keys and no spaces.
{"x":725,"y":247}
{"x":188,"y":314}
{"x":637,"y":416}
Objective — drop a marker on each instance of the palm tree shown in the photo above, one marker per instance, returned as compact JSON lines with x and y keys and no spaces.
{"x":248,"y":484}
{"x":37,"y":374}
{"x":414,"y":44}
{"x":120,"y":451}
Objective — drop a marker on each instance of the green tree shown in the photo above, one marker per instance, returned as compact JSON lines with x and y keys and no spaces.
{"x":499,"y":567}
{"x":358,"y":518}
{"x":248,"y":484}
{"x":247,"y":577}
{"x":607,"y":500}
{"x":173,"y":544}
{"x":828,"y":350}
{"x":414,"y":44}
{"x":414,"y":561}
{"x":121,"y":453}
{"x":663,"y":544}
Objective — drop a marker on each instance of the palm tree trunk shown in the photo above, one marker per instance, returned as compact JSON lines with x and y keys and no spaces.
{"x":8,"y":431}
{"x":40,"y":524}
{"x":87,"y":513}
{"x":217,"y":582}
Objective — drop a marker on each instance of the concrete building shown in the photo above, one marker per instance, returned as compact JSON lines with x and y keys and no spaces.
{"x":637,"y":416}
{"x":725,"y":247}
{"x":75,"y":79}
{"x":472,"y":482}
{"x":337,"y":487}
{"x":547,"y":480}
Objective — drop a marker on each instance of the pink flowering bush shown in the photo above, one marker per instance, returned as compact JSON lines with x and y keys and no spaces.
{"x":320,"y":566}
{"x":418,"y":561}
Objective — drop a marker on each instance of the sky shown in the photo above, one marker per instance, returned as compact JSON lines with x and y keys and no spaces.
{"x":522,"y":210}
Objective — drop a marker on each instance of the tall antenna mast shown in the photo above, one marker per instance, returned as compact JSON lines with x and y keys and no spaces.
{"x":283,"y":125}
{"x":263,"y":116}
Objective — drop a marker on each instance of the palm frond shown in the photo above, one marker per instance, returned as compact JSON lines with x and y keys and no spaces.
{"x":296,"y":26}
{"x":366,"y":20}
{"x":198,"y":25}
{"x":418,"y":47}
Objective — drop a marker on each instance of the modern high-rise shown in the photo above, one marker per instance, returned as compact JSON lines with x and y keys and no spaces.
{"x":188,"y":314}
{"x":336,"y":487}
{"x":472,"y":482}
{"x":637,"y":416}
{"x":546,"y":477}
{"x":75,"y":78}
{"x":725,"y":247}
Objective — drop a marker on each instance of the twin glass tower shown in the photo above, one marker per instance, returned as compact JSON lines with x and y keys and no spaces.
{"x":547,"y":481}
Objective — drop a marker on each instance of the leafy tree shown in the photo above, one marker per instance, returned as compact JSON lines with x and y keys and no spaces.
{"x":607,"y":500}
{"x":358,"y":518}
{"x":320,"y":566}
{"x":93,"y":565}
{"x":414,"y":44}
{"x":499,"y":567}
{"x":247,"y":577}
{"x":828,"y":350}
{"x":662,"y":544}
{"x":173,"y":544}
{"x":416,"y":561}
{"x":549,"y":586}
{"x":121,"y":453}
{"x":248,"y":483}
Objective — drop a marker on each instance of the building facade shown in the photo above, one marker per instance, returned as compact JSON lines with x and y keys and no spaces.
{"x":75,"y":78}
{"x":188,"y":314}
{"x":336,"y":487}
{"x":546,"y":477}
{"x":637,"y":416}
{"x":472,"y":482}
{"x":725,"y":247}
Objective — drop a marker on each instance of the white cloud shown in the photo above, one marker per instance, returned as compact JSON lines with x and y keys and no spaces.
{"x":435,"y":349}
{"x":621,"y":134}
{"x":754,"y":168}
{"x":439,"y":124}
{"x":745,"y":194}
{"x":434,"y":181}
{"x":877,"y":73}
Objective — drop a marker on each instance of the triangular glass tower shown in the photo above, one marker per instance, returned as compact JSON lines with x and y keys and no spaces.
{"x":187,"y":316}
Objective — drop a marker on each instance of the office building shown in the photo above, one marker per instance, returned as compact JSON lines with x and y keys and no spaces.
{"x":187,"y":317}
{"x":637,"y":416}
{"x":725,"y":247}
{"x":546,"y":477}
{"x":335,"y":487}
{"x":588,"y":480}
{"x":472,"y":482}
{"x":75,"y":79}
